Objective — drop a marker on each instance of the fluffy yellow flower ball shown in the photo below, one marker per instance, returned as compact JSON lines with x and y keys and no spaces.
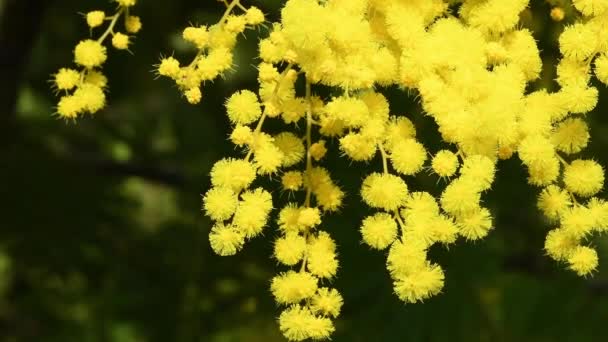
{"x":169,"y":67}
{"x":225,"y":239}
{"x":243,"y":107}
{"x":584,"y":177}
{"x":292,"y":180}
{"x":553,"y":201}
{"x":193,"y":95}
{"x":384,"y":191}
{"x":120,"y":41}
{"x":90,"y":53}
{"x":231,"y":173}
{"x":292,"y":287}
{"x":327,"y":302}
{"x":445,"y":163}
{"x":66,"y":79}
{"x":379,"y":230}
{"x":298,"y":323}
{"x":571,"y":135}
{"x":290,"y":248}
{"x":408,"y":156}
{"x":420,"y":285}
{"x":133,"y":24}
{"x":95,"y":18}
{"x":220,"y":203}
{"x":583,"y":260}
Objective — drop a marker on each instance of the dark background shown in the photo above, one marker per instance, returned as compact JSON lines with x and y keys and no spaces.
{"x":102,"y":237}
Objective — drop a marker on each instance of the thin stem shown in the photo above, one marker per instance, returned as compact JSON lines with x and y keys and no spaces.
{"x":384,"y":158}
{"x":228,"y":10}
{"x":110,"y":28}
{"x":275,"y":91}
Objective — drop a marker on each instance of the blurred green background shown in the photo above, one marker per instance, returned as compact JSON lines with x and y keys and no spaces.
{"x":102,"y":237}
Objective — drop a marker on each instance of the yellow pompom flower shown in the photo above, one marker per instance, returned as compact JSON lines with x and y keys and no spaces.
{"x":198,"y":36}
{"x":601,"y":68}
{"x":231,"y":173}
{"x":91,"y":96}
{"x":405,"y":258}
{"x":578,"y":41}
{"x":352,"y":111}
{"x":584,"y":177}
{"x":420,"y":205}
{"x":169,"y":67}
{"x":309,"y":218}
{"x":95,"y":18}
{"x":235,"y":24}
{"x":321,"y":254}
{"x":120,"y":41}
{"x":252,"y":212}
{"x":557,"y":14}
{"x":220,"y":203}
{"x":399,"y":129}
{"x":572,"y":72}
{"x":553,"y":201}
{"x":132,"y":24}
{"x":475,"y":225}
{"x":290,"y":248}
{"x":254,"y":16}
{"x":96,"y":78}
{"x":536,"y":150}
{"x":326,"y":302}
{"x":379,"y":230}
{"x":559,"y":244}
{"x":288,"y":218}
{"x":267,"y":156}
{"x":225,"y":239}
{"x":243,"y":107}
{"x":241,"y":135}
{"x":90,"y":53}
{"x":591,"y":7}
{"x":357,"y":147}
{"x":598,"y":210}
{"x":408,"y":156}
{"x":69,"y":107}
{"x":445,"y":163}
{"x":384,"y":191}
{"x":583,"y":260}
{"x":292,"y":180}
{"x":460,"y":197}
{"x":571,"y":135}
{"x":420,"y":285}
{"x":577,"y":221}
{"x":578,"y":99}
{"x":544,"y":173}
{"x":291,"y":146}
{"x":66,"y":79}
{"x":292,"y":287}
{"x":479,"y":170}
{"x":318,"y":150}
{"x":298,"y":323}
{"x":193,"y":95}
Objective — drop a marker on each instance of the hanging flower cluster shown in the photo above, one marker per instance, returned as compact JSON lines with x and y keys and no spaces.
{"x":83,"y":90}
{"x":469,"y":64}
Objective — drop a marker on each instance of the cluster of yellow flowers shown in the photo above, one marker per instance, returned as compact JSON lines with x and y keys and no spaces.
{"x":83,"y":89}
{"x":470,"y":66}
{"x":470,"y":70}
{"x":214,"y":46}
